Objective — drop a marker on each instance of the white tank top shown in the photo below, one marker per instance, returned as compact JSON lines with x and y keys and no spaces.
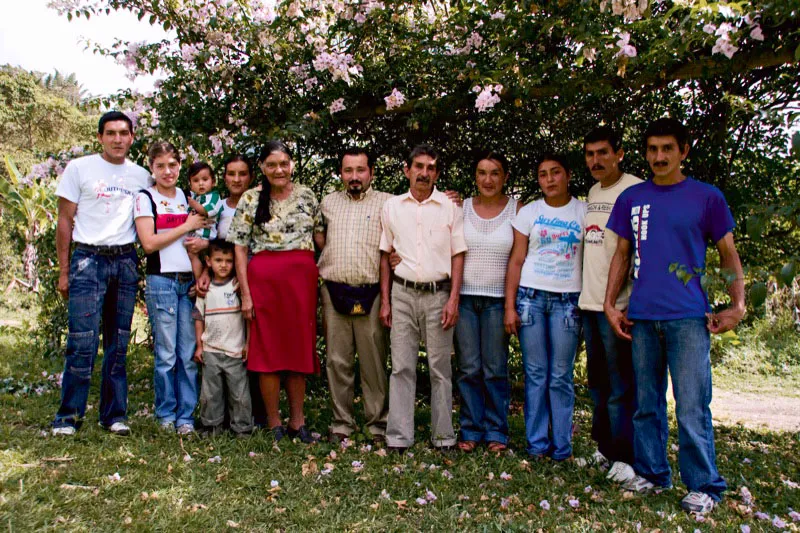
{"x":489,"y":244}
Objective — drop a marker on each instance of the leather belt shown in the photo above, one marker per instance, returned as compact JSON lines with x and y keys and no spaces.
{"x":180,"y":277}
{"x":120,"y":249}
{"x":424,"y":286}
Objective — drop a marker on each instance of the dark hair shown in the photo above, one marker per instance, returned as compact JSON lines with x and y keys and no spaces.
{"x":491,"y":155}
{"x":666,"y":127}
{"x":355,"y":150}
{"x":262,"y":211}
{"x":219,"y":245}
{"x":198,"y":166}
{"x":423,"y":149}
{"x":236,"y":158}
{"x":604,"y":133}
{"x":558,"y":158}
{"x":112,"y":116}
{"x":160,"y":148}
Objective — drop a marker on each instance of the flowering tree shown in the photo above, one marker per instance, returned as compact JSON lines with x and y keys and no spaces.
{"x":519,"y":76}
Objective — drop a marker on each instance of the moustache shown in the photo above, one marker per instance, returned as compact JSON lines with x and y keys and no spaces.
{"x":598,"y":167}
{"x":354,"y":183}
{"x":660,"y":164}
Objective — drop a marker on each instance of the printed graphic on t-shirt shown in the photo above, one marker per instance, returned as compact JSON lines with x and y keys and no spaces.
{"x":558,"y":247}
{"x":640,"y":215}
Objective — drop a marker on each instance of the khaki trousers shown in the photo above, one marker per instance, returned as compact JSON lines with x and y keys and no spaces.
{"x":345,"y":336}
{"x":221,"y":373}
{"x":417,"y":315}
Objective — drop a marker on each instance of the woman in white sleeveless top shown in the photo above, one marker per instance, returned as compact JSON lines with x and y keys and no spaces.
{"x":481,"y":341}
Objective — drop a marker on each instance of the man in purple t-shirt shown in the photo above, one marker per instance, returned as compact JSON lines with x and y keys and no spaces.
{"x":666,"y":221}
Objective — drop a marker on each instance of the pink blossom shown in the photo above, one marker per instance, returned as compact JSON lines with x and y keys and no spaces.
{"x":625,"y":48}
{"x":385,"y":495}
{"x":778,"y":523}
{"x":757,"y":34}
{"x":544,"y":504}
{"x":795,"y":516}
{"x":724,"y":46}
{"x":430,"y":496}
{"x":421,"y":501}
{"x":505,"y":476}
{"x":710,"y":28}
{"x":337,"y":105}
{"x":504,"y":503}
{"x":499,"y":15}
{"x":744,"y":528}
{"x":589,"y":54}
{"x":574,"y":503}
{"x":394,"y":100}
{"x":761,"y":516}
{"x":488,"y":96}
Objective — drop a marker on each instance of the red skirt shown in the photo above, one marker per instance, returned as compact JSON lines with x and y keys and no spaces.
{"x":283,"y":333}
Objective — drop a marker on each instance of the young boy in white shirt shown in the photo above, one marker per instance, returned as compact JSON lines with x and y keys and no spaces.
{"x":222,"y":335}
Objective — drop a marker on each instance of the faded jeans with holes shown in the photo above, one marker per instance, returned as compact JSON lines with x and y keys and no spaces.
{"x":170,"y":310}
{"x":548,"y":337}
{"x":681,"y":347}
{"x":100,"y":286}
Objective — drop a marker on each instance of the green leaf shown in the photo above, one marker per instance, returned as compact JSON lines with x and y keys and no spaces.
{"x":673,"y":267}
{"x":704,"y":281}
{"x":754,"y":227}
{"x":796,"y":143}
{"x":788,"y":273}
{"x":758,"y":293}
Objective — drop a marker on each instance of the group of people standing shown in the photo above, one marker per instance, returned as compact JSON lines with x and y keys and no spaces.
{"x":424,"y":268}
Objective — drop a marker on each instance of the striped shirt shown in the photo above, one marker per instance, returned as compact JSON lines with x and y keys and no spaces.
{"x":352,"y":237}
{"x":221,"y":312}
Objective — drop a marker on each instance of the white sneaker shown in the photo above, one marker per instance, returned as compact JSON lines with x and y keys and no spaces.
{"x":66,"y":431}
{"x":639,"y":485}
{"x":598,"y":458}
{"x":119,"y":428}
{"x":698,"y":503}
{"x":185,"y":429}
{"x":621,"y":472}
{"x":167,"y":426}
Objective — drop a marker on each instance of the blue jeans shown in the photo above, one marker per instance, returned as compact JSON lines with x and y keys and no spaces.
{"x":683,"y":347}
{"x":551,"y":326}
{"x":99,"y":286}
{"x":482,"y":348}
{"x":612,"y":386}
{"x":170,"y":310}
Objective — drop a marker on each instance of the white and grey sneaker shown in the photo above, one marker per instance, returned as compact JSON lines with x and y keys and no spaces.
{"x":119,"y":428}
{"x":639,"y":485}
{"x":698,"y":503}
{"x":65,"y":431}
{"x":166,"y":425}
{"x":185,"y":429}
{"x":599,"y":459}
{"x":621,"y":472}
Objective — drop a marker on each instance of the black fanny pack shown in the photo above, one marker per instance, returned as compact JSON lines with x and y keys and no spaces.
{"x":351,"y":300}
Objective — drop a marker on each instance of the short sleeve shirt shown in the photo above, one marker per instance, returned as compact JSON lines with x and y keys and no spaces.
{"x":599,"y":245}
{"x":293,"y":222}
{"x":104,"y":193}
{"x":424,"y":234}
{"x":170,"y":213}
{"x":669,"y":224}
{"x":555,"y":245}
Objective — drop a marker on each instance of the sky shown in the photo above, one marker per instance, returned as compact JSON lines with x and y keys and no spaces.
{"x":35,"y":37}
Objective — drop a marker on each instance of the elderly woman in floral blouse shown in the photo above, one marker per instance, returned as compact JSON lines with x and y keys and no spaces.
{"x":279,"y":285}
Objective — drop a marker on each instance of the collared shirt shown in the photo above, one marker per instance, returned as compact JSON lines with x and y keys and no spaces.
{"x":426,"y":235}
{"x":352,"y":237}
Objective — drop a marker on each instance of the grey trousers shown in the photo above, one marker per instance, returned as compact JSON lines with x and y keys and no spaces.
{"x":417,"y":315}
{"x":220,"y":372}
{"x":345,"y":336}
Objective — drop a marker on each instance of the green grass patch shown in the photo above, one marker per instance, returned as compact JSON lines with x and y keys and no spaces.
{"x":49,"y":483}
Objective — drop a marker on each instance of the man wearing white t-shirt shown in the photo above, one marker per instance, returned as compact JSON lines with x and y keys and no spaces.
{"x":95,"y":210}
{"x":611,"y":381}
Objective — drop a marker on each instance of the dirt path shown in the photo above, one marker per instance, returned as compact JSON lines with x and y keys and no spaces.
{"x":756,"y":411}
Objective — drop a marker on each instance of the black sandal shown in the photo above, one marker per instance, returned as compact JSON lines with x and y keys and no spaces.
{"x":301,"y":433}
{"x":278,"y":432}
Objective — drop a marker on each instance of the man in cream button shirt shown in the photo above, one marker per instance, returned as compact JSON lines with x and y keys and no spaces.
{"x":420,"y":300}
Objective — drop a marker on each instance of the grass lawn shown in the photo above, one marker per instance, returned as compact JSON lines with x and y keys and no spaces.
{"x":154,"y":481}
